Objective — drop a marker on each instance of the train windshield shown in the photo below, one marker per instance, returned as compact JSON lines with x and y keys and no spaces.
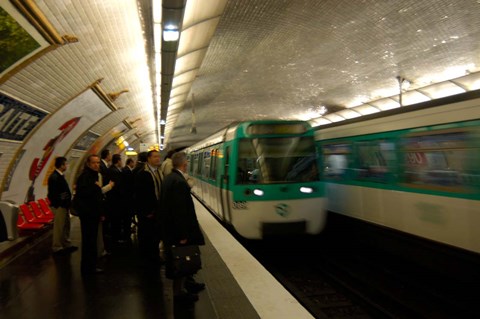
{"x":277,"y":160}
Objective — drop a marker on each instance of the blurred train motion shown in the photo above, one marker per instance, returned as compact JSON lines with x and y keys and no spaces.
{"x":261,"y":178}
{"x":415,"y":171}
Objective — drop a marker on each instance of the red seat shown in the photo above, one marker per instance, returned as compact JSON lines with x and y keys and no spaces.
{"x":38,"y":212}
{"x":30,"y":217}
{"x":45,"y":207}
{"x":24,"y":225}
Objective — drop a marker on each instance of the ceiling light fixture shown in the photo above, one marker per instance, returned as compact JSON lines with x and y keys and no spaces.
{"x":170,"y":33}
{"x":403,"y":84}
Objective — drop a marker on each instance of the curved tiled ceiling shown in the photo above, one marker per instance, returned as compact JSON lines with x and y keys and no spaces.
{"x":244,"y":59}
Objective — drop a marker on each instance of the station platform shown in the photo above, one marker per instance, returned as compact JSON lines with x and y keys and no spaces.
{"x":37,"y":284}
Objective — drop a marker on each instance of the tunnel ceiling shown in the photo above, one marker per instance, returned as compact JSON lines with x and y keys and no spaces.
{"x":266,"y":59}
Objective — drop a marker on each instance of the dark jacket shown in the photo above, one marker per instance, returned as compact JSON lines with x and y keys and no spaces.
{"x":128,"y":178}
{"x":104,"y":170}
{"x":116,"y":194}
{"x":88,"y":195}
{"x":179,"y":220}
{"x":59,"y":192}
{"x":145,"y":198}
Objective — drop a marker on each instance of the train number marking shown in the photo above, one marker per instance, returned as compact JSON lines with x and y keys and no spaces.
{"x":240,"y":205}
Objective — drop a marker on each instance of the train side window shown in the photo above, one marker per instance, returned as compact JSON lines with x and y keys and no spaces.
{"x":443,"y":161}
{"x":373,"y":159}
{"x":206,"y":164}
{"x":194,"y":166}
{"x":335,"y":160}
{"x":213,"y":173}
{"x":189,"y":167}
{"x":199,"y":166}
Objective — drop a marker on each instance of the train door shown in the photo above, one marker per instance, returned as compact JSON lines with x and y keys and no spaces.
{"x":225,"y":186}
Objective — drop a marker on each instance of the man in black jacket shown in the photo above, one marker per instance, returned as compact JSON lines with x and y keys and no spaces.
{"x":148,"y":187}
{"x":89,"y":197}
{"x":60,"y":199}
{"x":180,"y":225}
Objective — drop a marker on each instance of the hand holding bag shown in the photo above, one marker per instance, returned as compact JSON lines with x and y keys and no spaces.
{"x":186,"y":260}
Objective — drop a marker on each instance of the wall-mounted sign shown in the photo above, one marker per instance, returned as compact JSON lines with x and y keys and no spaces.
{"x":17,"y":119}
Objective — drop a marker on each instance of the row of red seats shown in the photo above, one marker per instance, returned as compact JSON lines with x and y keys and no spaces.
{"x":35,"y":215}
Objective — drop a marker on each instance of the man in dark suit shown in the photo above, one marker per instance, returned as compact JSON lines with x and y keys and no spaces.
{"x":180,"y":225}
{"x":148,"y":187}
{"x":89,"y":197}
{"x":128,"y":189}
{"x":60,"y":200}
{"x":106,"y":158}
{"x":105,"y":228}
{"x":141,"y":162}
{"x":116,"y":203}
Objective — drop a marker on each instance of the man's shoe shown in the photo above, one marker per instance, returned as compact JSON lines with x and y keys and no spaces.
{"x":71,"y":249}
{"x":185,"y":297}
{"x":88,"y":273}
{"x":59,"y":252}
{"x":194,"y":287}
{"x":105,"y":253}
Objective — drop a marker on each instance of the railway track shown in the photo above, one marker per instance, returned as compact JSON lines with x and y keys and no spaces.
{"x":333,"y":281}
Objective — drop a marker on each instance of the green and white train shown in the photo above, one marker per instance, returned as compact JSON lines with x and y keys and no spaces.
{"x":416,"y":170}
{"x":261,"y":178}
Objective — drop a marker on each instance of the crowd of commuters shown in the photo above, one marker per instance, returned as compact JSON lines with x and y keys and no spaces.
{"x":148,"y":200}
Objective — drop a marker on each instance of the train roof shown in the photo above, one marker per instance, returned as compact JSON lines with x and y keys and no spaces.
{"x":229,"y":132}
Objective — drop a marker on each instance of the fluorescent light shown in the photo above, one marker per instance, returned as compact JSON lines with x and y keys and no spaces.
{"x":157,"y":27}
{"x":157,"y":11}
{"x":170,"y":33}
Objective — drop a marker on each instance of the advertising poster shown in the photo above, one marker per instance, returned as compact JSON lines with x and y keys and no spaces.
{"x":53,"y":138}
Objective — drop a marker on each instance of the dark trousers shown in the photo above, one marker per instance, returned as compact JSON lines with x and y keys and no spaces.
{"x":89,"y":228}
{"x":121,"y":225}
{"x":148,"y":238}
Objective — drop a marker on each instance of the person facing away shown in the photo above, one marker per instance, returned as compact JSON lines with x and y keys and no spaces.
{"x":116,"y":202}
{"x":167,"y":166}
{"x":89,"y":197}
{"x":180,"y":223}
{"x":128,"y":189}
{"x":104,"y":227}
{"x":148,"y":187}
{"x":141,"y":160}
{"x":106,"y":159}
{"x":60,"y":198}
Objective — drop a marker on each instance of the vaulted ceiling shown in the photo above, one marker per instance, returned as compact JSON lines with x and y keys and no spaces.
{"x":253,"y":59}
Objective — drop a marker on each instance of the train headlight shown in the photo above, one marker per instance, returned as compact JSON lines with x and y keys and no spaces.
{"x":258,"y":192}
{"x":306,"y":190}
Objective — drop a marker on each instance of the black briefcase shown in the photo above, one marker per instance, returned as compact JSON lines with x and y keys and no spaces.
{"x":186,"y":260}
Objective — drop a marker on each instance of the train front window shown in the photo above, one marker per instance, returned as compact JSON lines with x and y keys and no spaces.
{"x":276,"y":160}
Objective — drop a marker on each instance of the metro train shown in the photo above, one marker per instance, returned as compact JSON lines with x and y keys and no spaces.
{"x":416,"y":171}
{"x":261,"y":178}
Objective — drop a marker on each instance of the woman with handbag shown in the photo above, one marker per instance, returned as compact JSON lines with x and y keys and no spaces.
{"x":180,"y":225}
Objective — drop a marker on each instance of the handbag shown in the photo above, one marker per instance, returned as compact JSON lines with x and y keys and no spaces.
{"x":186,"y":260}
{"x":74,"y":207}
